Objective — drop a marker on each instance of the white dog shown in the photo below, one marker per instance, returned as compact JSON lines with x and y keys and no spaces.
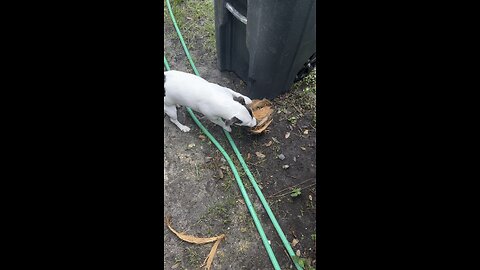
{"x":216,"y":103}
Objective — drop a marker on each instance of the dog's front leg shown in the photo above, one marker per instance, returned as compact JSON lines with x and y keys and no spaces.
{"x":171,"y":111}
{"x":219,"y":122}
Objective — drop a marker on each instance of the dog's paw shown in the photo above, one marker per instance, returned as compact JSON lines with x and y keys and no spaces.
{"x":185,"y":129}
{"x":229,"y":129}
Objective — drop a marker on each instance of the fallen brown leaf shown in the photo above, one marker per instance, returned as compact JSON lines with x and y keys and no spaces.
{"x":199,"y":241}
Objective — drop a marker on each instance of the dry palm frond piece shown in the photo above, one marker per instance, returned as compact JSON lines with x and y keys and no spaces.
{"x":263,"y":112}
{"x":199,"y":241}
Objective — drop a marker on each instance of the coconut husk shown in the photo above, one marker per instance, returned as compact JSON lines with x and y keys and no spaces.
{"x":262,"y":111}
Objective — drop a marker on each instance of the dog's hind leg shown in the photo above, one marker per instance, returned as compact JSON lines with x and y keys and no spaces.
{"x":171,"y":111}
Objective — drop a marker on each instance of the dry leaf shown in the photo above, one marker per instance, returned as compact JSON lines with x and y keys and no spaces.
{"x":295,"y":242}
{"x":209,"y":260}
{"x":260,"y":155}
{"x":199,"y":241}
{"x":192,"y":239}
{"x":268,"y":144}
{"x":287,"y":135}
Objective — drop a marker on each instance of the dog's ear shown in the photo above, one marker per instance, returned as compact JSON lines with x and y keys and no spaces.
{"x":232,"y":121}
{"x":240,"y":100}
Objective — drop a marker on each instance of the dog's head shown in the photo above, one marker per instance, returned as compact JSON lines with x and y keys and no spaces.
{"x":244,"y":117}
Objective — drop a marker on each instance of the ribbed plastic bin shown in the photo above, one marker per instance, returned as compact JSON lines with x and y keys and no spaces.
{"x":269,"y":44}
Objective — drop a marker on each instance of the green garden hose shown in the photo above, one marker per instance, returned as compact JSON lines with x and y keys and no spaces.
{"x":235,"y":172}
{"x":242,"y":189}
{"x":165,"y":63}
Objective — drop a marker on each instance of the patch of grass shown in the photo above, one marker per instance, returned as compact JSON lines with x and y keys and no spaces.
{"x":196,"y":20}
{"x":301,"y":100}
{"x":227,"y":183}
{"x":304,"y":263}
{"x":296,"y":192}
{"x":308,"y":95}
{"x":193,"y":257}
{"x":292,"y":120}
{"x":220,"y":212}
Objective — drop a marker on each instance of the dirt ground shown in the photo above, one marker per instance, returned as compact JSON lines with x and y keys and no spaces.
{"x":201,"y":194}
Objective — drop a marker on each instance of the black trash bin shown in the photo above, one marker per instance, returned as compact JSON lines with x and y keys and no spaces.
{"x":269,"y":44}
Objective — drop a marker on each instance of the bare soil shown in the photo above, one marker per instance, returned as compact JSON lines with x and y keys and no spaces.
{"x":204,"y":198}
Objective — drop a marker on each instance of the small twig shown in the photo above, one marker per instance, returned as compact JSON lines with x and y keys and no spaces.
{"x":294,"y":234}
{"x":285,"y":194}
{"x":300,"y":130}
{"x":298,"y":110}
{"x":255,"y":164}
{"x":291,"y":187}
{"x":301,"y":136}
{"x":286,"y":253}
